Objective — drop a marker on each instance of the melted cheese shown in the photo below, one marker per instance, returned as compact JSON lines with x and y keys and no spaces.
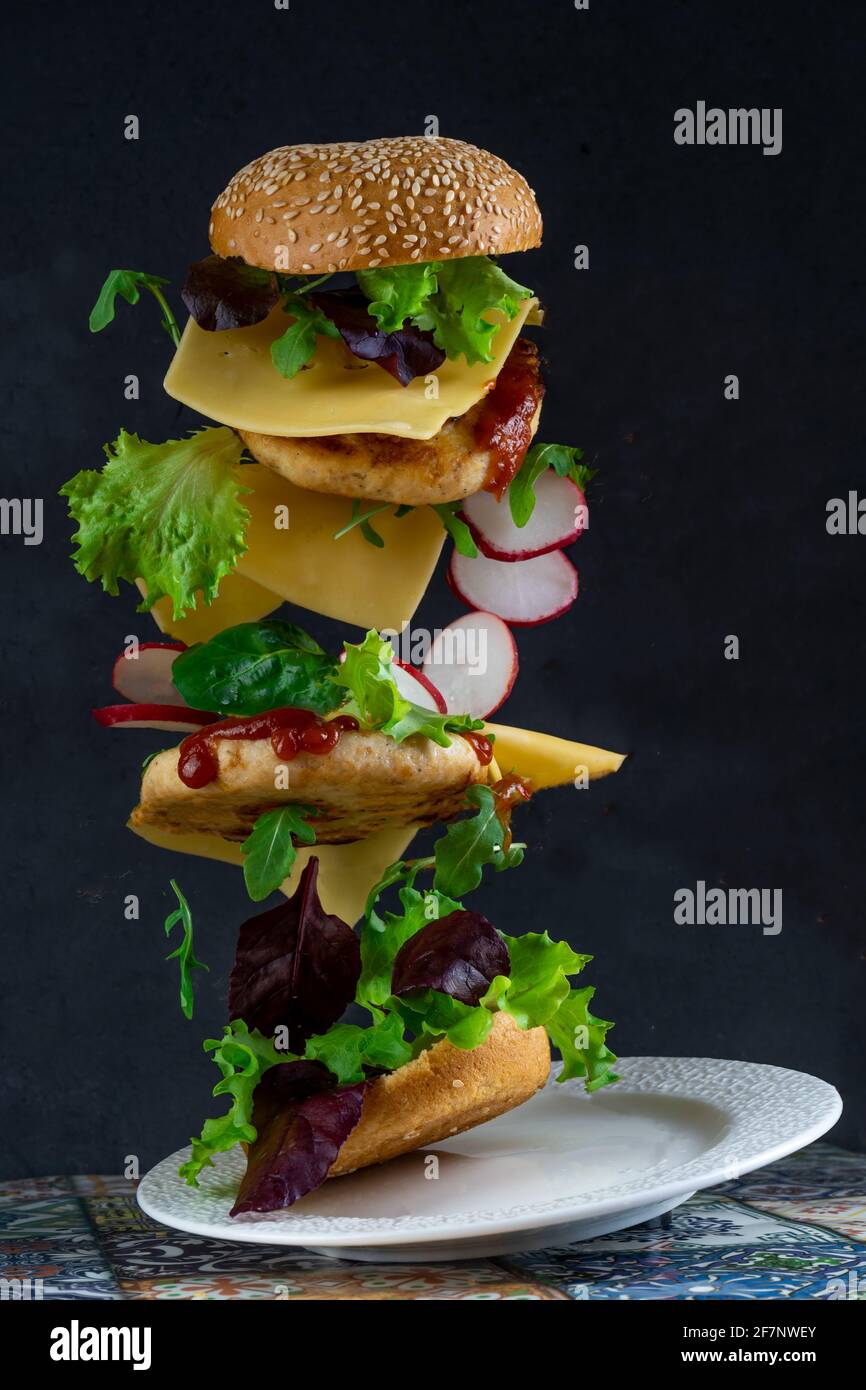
{"x":348,"y":579}
{"x":229,"y":377}
{"x":548,"y":761}
{"x":346,"y":872}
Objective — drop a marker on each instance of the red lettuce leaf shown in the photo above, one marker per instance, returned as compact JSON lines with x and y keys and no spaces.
{"x":227,"y":293}
{"x":297,"y":1142}
{"x":408,"y":353}
{"x":458,"y":955}
{"x":295,"y":965}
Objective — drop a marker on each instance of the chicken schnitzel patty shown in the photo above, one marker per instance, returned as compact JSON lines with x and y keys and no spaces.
{"x":386,"y":468}
{"x":365,"y":783}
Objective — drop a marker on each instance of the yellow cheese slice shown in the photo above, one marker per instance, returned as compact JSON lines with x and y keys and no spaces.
{"x":548,"y":761}
{"x":346,"y":872}
{"x":240,"y":600}
{"x":348,"y":579}
{"x":229,"y":377}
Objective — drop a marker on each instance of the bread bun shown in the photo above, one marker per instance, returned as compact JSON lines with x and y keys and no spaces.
{"x":309,"y":209}
{"x":445,"y":1091}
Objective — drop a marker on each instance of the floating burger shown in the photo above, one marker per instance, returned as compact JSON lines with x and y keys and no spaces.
{"x":458,"y":1017}
{"x":356,"y":335}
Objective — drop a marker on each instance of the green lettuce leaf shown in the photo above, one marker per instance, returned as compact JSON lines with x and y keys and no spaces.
{"x":399,"y":292}
{"x":347,"y":1048}
{"x":256,"y":667}
{"x":377,"y":703}
{"x":537,"y":984}
{"x":243,"y":1057}
{"x":269,"y":851}
{"x":383,"y":935}
{"x":128,"y":284}
{"x":429,"y":1013}
{"x":169,"y":514}
{"x":580,"y":1037}
{"x":565,"y":462}
{"x":293,"y":350}
{"x":468,"y":289}
{"x":469,"y":845}
{"x":184,"y":953}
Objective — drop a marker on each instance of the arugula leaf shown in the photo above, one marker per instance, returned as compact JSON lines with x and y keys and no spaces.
{"x":347,"y":1048}
{"x":580,"y":1037}
{"x":243,"y":1057}
{"x":468,"y":289}
{"x":456,"y":528}
{"x":377,"y":703}
{"x":469,"y":845}
{"x":255,"y":667}
{"x":362,"y":519}
{"x":184,"y":952}
{"x":292,"y":351}
{"x":397,"y":293}
{"x":270,"y":849}
{"x":129,"y":284}
{"x":169,"y":514}
{"x":565,"y":462}
{"x":537,"y":983}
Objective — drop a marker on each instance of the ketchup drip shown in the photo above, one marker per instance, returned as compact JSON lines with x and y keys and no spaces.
{"x":504,"y":426}
{"x":509,"y":792}
{"x":291,"y":731}
{"x":481,"y":746}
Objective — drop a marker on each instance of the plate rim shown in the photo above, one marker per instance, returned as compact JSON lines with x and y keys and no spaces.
{"x":650,"y":1076}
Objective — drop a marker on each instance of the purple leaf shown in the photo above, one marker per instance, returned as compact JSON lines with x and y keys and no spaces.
{"x":459,"y":955}
{"x":295,"y":965}
{"x":221,"y":293}
{"x":408,"y":353}
{"x":297,"y":1142}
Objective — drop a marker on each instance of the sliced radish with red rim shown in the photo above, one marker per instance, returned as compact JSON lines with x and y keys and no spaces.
{"x":414,"y":685}
{"x":173,"y":719}
{"x":559,"y":517}
{"x":525,"y":594}
{"x":474,"y":663}
{"x":145,"y":678}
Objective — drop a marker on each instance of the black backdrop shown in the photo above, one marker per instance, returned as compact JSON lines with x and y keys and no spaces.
{"x":708,"y":516}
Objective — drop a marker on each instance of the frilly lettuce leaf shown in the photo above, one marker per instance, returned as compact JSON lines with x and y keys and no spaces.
{"x":243,"y":1057}
{"x":169,"y":514}
{"x":397,"y":293}
{"x":377,"y":703}
{"x":467,"y":289}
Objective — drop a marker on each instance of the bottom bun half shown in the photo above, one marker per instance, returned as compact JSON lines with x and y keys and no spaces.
{"x":444,"y":1091}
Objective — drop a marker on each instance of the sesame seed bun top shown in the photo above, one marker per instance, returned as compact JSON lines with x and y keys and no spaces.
{"x":308,"y":209}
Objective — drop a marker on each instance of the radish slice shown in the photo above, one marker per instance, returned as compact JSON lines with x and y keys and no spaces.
{"x":559,"y":517}
{"x":174,"y":719}
{"x":146,"y":679}
{"x":524,"y":594}
{"x":414,"y":685}
{"x":475,"y":664}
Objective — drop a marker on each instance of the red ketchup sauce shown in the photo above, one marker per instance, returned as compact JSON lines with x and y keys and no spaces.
{"x":509,"y":792}
{"x":291,"y":731}
{"x":504,"y":426}
{"x":481,"y":746}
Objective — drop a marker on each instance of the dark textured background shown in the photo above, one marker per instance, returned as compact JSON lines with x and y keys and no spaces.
{"x":707,"y":518}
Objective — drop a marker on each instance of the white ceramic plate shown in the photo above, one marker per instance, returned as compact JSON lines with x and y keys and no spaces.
{"x":563,"y":1167}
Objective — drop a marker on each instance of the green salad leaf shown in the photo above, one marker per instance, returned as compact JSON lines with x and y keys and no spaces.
{"x":295,"y":347}
{"x":256,"y":667}
{"x":184,"y":953}
{"x":537,"y":984}
{"x":128,"y":284}
{"x":383,"y":935}
{"x":430,"y":1013}
{"x":243,"y":1057}
{"x":377,"y":703}
{"x":469,"y":845}
{"x":456,"y":527}
{"x":269,"y":850}
{"x":399,"y":292}
{"x":565,"y":462}
{"x":580,"y":1037}
{"x":347,"y":1048}
{"x":468,"y":289}
{"x":169,"y":514}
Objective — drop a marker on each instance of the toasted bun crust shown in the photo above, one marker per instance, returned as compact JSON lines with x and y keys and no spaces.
{"x":444,"y":1091}
{"x":366,"y":783}
{"x":308,"y":209}
{"x":382,"y":467}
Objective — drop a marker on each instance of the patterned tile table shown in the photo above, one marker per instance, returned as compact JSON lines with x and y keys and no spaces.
{"x":796,"y":1229}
